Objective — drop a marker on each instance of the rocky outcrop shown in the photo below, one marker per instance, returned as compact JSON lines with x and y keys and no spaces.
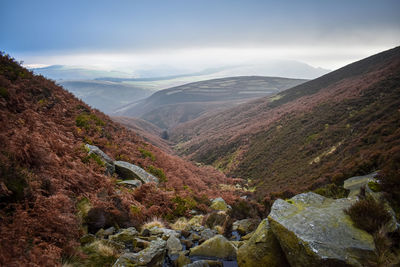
{"x":218,"y":247}
{"x":108,"y":162}
{"x":262,"y":249}
{"x":219,"y":204}
{"x":128,"y":171}
{"x":125,"y":235}
{"x":314,"y":231}
{"x":151,"y":256}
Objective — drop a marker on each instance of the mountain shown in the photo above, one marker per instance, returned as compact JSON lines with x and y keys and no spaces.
{"x":63,"y":72}
{"x":104,"y":95}
{"x":342,"y":124}
{"x":167,"y":108}
{"x":50,"y":187}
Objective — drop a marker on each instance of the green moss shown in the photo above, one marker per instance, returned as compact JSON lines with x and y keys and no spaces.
{"x":89,"y":121}
{"x":4,"y":93}
{"x":182,"y":205}
{"x":374,"y":186}
{"x":147,"y":154}
{"x":158,"y":173}
{"x":289,"y":201}
{"x":93,"y":156}
{"x":135,"y":209}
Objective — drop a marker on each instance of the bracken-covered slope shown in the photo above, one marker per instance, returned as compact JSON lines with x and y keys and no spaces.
{"x":45,"y":172}
{"x":341,"y":124}
{"x":170,"y":107}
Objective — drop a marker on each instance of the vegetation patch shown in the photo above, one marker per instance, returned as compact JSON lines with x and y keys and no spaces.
{"x":147,"y":154}
{"x":4,"y":93}
{"x":369,"y":215}
{"x":88,"y":121}
{"x":158,"y":172}
{"x":332,"y":191}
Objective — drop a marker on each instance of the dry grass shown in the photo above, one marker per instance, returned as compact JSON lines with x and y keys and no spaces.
{"x":155,"y":222}
{"x":180,"y":224}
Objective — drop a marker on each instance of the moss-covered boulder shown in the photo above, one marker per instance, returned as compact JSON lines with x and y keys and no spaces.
{"x":245,"y":226}
{"x":262,"y":249}
{"x":314,"y":231}
{"x":125,"y":235}
{"x":128,"y":171}
{"x":219,"y":204}
{"x":218,"y":247}
{"x":151,"y":256}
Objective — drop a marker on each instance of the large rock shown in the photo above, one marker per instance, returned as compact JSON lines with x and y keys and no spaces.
{"x":174,"y":245}
{"x":262,"y":249}
{"x":128,"y":171}
{"x":355,"y":183}
{"x":151,"y":256}
{"x":245,"y":226}
{"x":108,"y":162}
{"x":220,"y":204}
{"x":218,"y":247}
{"x":314,"y":231}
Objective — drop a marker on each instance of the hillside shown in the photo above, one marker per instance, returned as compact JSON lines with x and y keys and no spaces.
{"x":149,"y":132}
{"x":342,"y":124}
{"x":170,"y":107}
{"x":105,"y":95}
{"x":48,"y":180}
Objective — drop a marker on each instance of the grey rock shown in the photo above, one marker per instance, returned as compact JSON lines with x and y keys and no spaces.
{"x":108,"y":162}
{"x":245,"y":226}
{"x":314,"y":231}
{"x":219,"y":204}
{"x":163,"y":232}
{"x":355,"y":183}
{"x":130,"y":171}
{"x":125,"y":235}
{"x":151,"y":256}
{"x":208,"y":233}
{"x":131,"y":183}
{"x":174,"y":245}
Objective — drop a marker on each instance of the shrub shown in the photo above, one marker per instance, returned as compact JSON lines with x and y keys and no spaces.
{"x":154,"y":222}
{"x":369,"y":215}
{"x":147,"y":154}
{"x":4,"y":93}
{"x":243,"y":209}
{"x":332,"y":191}
{"x":86,"y":121}
{"x":158,"y":173}
{"x":99,"y":217}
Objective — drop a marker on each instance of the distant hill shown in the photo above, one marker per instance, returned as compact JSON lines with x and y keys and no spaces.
{"x":105,"y":95}
{"x":167,"y":108}
{"x":342,"y":124}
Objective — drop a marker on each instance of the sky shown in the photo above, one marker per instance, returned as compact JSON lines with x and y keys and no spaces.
{"x":195,"y":34}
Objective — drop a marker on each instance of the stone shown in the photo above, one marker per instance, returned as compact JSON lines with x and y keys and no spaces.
{"x":174,"y":245}
{"x":108,"y":162}
{"x":208,"y":233}
{"x":245,"y":226}
{"x":262,"y":249}
{"x":125,"y":235}
{"x":218,"y":247}
{"x":314,"y":231}
{"x":128,"y":171}
{"x":355,"y":183}
{"x":163,"y":232}
{"x":205,"y":263}
{"x":152,"y":256}
{"x":219,"y":204}
{"x":131,"y":183}
{"x":195,"y":222}
{"x":182,"y":260}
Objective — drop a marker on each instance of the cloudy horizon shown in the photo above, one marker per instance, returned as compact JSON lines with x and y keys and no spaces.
{"x":194,"y":35}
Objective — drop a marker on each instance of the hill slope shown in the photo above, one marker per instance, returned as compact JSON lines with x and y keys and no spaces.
{"x":341,"y":124}
{"x":47,"y":179}
{"x":105,"y":95}
{"x":172,"y":106}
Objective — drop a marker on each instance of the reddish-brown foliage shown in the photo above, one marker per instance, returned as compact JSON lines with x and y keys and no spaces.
{"x":44,"y":174}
